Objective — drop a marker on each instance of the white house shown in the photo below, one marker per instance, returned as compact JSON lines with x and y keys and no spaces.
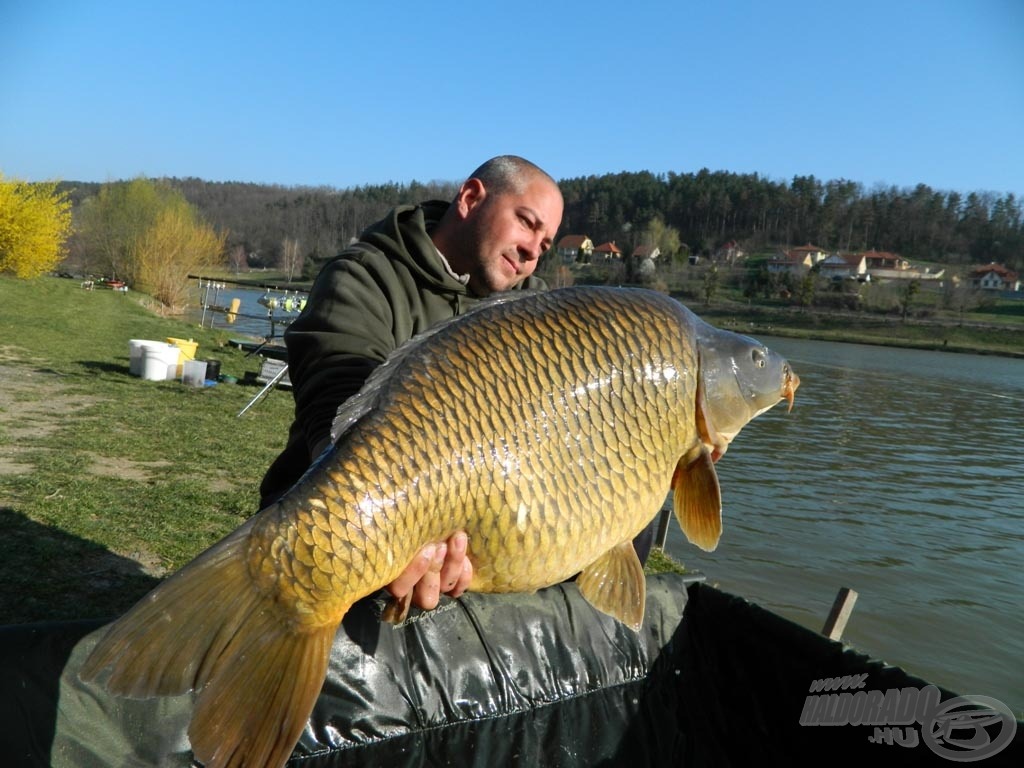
{"x":995,"y":277}
{"x":573,"y":247}
{"x":797,"y":260}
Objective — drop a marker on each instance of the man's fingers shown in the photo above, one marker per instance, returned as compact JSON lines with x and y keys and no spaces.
{"x":427,"y":591}
{"x":437,"y":568}
{"x":401,"y":586}
{"x":451,"y":572}
{"x":462,"y":583}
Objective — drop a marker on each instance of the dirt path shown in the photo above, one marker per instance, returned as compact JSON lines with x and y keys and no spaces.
{"x":34,"y":403}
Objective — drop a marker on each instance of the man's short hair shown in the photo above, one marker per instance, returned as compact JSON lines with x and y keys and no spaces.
{"x":508,"y":174}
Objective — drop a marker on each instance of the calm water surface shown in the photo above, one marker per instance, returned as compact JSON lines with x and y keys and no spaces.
{"x":900,"y":474}
{"x":253,"y":319}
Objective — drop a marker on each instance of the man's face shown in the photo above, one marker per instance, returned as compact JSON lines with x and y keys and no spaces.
{"x":505,"y":234}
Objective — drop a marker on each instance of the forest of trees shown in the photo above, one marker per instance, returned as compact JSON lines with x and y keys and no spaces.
{"x":267,"y":225}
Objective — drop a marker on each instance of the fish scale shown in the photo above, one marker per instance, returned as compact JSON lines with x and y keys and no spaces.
{"x":552,"y":383}
{"x":547,"y":426}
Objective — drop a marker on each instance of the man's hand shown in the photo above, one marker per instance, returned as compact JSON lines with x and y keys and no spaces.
{"x":439,"y":568}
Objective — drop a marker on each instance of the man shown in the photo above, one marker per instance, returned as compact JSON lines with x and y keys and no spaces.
{"x":418,"y":266}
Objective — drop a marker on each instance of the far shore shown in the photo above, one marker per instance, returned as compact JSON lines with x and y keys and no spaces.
{"x":932,"y":334}
{"x":934,"y":330}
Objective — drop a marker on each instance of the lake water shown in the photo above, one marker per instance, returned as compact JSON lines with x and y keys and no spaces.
{"x":899,"y":474}
{"x":253,"y":318}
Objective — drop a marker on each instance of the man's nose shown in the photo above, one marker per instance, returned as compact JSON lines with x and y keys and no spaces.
{"x":533,"y":249}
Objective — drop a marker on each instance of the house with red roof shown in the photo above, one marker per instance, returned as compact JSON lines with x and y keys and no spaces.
{"x":642,"y":252}
{"x":877,"y":260}
{"x":575,"y":247}
{"x":797,"y":260}
{"x":994,"y":277}
{"x":607,"y":251}
{"x":729,"y":252}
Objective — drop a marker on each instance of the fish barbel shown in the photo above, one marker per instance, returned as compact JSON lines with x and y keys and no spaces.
{"x":548,"y":426}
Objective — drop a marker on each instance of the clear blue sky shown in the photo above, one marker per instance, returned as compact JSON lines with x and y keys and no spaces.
{"x":347,"y":93}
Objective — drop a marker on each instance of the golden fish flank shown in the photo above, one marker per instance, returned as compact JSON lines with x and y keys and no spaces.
{"x":548,"y":426}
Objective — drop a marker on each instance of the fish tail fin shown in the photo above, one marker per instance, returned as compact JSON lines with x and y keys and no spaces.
{"x":255,"y":710}
{"x":209,"y":628}
{"x":697,"y":500}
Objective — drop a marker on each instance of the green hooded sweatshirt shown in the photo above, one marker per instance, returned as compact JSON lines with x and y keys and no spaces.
{"x":377,"y":294}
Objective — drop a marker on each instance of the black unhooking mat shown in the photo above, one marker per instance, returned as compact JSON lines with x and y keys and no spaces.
{"x":540,"y":680}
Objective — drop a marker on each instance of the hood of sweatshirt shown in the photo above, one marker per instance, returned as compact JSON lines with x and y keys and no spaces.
{"x":404,"y":233}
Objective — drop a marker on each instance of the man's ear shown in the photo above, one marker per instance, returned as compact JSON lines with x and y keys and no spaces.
{"x":471,"y":194}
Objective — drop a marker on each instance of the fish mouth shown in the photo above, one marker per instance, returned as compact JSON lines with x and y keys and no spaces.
{"x":789,"y":384}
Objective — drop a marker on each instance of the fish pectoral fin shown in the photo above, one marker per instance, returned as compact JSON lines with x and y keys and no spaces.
{"x":697,"y":500}
{"x":715,"y":441}
{"x":615,"y":584}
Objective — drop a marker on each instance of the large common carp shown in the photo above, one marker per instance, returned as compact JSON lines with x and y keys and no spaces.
{"x":548,"y":426}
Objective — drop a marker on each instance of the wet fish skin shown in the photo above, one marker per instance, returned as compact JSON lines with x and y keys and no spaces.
{"x":742,"y":376}
{"x":570,"y":441}
{"x":547,"y":426}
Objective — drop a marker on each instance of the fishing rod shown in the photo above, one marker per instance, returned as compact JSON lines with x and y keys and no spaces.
{"x":244,"y":284}
{"x":292,"y":302}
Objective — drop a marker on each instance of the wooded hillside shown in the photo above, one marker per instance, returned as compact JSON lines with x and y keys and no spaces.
{"x":707,"y":208}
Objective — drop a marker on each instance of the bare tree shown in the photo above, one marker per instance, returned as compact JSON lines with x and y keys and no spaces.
{"x":291,"y":258}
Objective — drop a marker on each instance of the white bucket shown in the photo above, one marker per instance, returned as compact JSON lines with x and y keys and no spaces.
{"x":193,"y":373}
{"x":159,"y":361}
{"x":135,"y":347}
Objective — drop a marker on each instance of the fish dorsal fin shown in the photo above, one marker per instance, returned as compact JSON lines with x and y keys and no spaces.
{"x":615,"y":584}
{"x":697,"y":499}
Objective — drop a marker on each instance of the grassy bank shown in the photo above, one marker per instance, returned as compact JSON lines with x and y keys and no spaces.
{"x":107,"y":481}
{"x":995,"y":335}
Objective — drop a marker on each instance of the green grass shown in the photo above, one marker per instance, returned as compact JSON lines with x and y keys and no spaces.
{"x":1002,"y":311}
{"x":660,"y":562}
{"x":108,"y":481}
{"x":989,"y":336}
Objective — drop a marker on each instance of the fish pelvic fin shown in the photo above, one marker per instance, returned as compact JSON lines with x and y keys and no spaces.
{"x":615,"y":584}
{"x":208,"y":628}
{"x":697,"y":499}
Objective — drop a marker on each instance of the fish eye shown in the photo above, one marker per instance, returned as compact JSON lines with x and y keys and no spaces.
{"x":758,"y":357}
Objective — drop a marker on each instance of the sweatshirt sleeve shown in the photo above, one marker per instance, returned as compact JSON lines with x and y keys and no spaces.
{"x":346,"y":330}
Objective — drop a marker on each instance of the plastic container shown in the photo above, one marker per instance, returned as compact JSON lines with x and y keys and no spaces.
{"x":135,"y":348}
{"x":187,"y":351}
{"x":194,"y":373}
{"x":212,"y":370}
{"x":159,"y":361}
